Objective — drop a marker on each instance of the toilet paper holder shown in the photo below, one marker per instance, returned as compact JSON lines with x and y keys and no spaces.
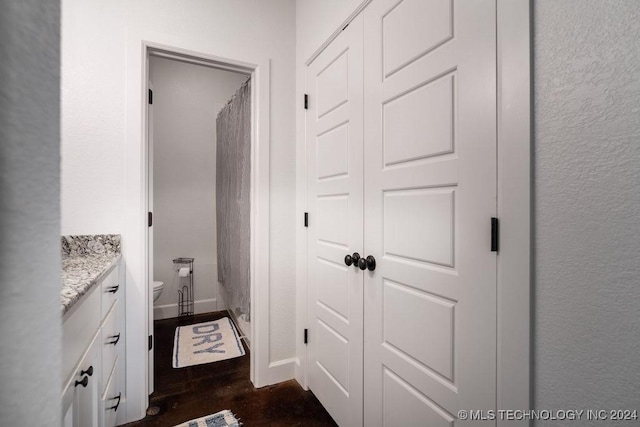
{"x":184,"y":266}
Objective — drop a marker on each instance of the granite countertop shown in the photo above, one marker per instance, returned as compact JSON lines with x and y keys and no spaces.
{"x":85,"y":261}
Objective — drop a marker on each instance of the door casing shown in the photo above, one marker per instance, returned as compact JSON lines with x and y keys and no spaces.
{"x":135,"y":249}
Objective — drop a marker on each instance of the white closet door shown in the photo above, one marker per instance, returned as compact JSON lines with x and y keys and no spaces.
{"x":335,"y":175}
{"x":430,"y":193}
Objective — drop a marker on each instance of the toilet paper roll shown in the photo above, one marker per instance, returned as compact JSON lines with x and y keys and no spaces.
{"x":183,"y":272}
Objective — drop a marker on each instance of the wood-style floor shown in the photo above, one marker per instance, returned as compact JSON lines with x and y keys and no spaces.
{"x":187,"y":393}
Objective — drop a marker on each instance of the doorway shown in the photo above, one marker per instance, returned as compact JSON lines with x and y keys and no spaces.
{"x":198,"y":187}
{"x":138,"y":277}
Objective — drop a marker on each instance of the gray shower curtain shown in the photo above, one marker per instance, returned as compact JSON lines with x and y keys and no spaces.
{"x":233,"y":172}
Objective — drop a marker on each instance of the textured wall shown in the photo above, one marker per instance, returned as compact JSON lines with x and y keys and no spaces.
{"x":30,"y":321}
{"x":186,"y":100}
{"x":587,"y":204}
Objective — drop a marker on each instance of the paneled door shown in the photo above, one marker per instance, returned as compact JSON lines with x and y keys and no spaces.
{"x":430,"y":193}
{"x":335,"y":179}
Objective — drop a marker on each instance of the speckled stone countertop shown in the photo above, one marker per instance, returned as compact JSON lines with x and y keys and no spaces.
{"x":85,"y":260}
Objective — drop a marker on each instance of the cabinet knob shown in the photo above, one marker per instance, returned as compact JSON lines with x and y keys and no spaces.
{"x":83,"y":383}
{"x":88,"y":372}
{"x":113,"y":289}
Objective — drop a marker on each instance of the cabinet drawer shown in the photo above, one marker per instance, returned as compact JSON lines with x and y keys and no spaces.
{"x":112,"y":341}
{"x":110,"y":400}
{"x":78,"y":328}
{"x":81,"y":390}
{"x":111,"y":290}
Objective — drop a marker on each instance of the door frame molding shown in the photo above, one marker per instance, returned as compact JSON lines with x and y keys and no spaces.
{"x":135,"y":248}
{"x":514,"y":127}
{"x":513,"y":45}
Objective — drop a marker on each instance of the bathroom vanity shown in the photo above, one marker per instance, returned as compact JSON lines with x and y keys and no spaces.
{"x":93,"y":331}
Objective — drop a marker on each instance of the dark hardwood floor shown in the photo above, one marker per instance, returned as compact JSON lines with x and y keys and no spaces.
{"x":187,"y":393}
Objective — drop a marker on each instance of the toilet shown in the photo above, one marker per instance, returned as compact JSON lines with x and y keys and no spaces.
{"x":157,"y":290}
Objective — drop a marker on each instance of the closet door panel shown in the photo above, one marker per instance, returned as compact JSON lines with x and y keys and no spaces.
{"x":404,"y":125}
{"x":430,"y":191}
{"x":334,"y":148}
{"x":412,"y":29}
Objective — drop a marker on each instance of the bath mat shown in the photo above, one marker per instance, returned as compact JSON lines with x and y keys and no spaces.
{"x":205,"y":343}
{"x":219,"y":419}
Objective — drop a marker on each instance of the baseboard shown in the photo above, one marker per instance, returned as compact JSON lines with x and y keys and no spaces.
{"x":169,"y":311}
{"x":282,"y":370}
{"x":300,"y":374}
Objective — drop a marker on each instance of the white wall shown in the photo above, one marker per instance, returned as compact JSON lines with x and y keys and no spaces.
{"x":97,"y":38}
{"x":93,"y":37}
{"x":586,"y":334}
{"x":30,"y":315}
{"x":186,"y":102}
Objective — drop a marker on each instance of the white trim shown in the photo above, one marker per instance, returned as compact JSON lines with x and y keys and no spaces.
{"x":282,"y":370}
{"x":196,"y":61}
{"x":301,"y":237}
{"x":136,"y":207}
{"x":514,"y":206}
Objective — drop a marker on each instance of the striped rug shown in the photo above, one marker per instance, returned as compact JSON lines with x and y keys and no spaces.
{"x":219,"y":419}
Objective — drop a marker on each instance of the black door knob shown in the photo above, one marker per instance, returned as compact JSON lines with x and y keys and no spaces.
{"x":371,"y":263}
{"x":355,"y":257}
{"x":352,"y":259}
{"x":367,"y":263}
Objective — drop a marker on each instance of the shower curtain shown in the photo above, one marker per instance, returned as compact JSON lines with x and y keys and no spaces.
{"x":233,"y":172}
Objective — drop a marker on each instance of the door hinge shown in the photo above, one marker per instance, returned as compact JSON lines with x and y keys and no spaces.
{"x":306,"y":219}
{"x":150,"y":219}
{"x":150,"y":342}
{"x":495,"y":234}
{"x":306,"y":101}
{"x":150,"y":96}
{"x":306,"y":336}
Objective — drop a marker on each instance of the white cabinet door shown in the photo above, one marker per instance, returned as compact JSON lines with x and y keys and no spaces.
{"x":111,"y":398}
{"x":111,"y":341}
{"x":335,"y":178}
{"x":80,"y":396}
{"x":430,"y":193}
